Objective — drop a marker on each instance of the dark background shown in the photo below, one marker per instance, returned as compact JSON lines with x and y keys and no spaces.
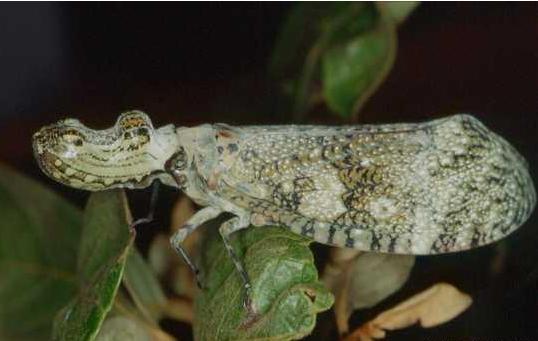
{"x":194,"y":63}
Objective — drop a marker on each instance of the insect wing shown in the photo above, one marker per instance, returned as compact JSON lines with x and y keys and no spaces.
{"x":442,"y":186}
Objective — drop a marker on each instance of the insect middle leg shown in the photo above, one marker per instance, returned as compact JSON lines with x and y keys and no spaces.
{"x":226,"y":229}
{"x":200,"y":217}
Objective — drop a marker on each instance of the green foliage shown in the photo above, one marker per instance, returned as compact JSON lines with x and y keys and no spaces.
{"x":56,"y":261}
{"x":38,"y":250}
{"x":398,"y":10}
{"x":144,"y":288}
{"x":351,"y":72}
{"x":286,"y":292}
{"x":104,"y":248}
{"x":338,"y":51}
{"x":61,"y":268}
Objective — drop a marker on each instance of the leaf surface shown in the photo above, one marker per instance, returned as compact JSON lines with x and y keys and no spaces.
{"x":363,"y":279}
{"x":39,"y":233}
{"x":117,"y":328}
{"x":144,"y":287}
{"x":104,"y":248}
{"x":352,"y":72}
{"x":125,"y":322}
{"x":399,"y":11}
{"x":339,"y":52}
{"x":438,"y":304}
{"x":286,"y":293}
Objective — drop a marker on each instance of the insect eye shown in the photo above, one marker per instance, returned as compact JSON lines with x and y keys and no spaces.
{"x":180,"y":164}
{"x":178,"y":161}
{"x":127,"y":135}
{"x":142,"y":131}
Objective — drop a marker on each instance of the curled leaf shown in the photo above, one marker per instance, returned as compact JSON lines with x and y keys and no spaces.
{"x":440,"y":303}
{"x":361,"y":280}
{"x":286,"y":294}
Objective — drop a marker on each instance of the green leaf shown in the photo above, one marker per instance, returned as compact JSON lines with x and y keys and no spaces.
{"x":120,"y":328}
{"x":352,"y":72}
{"x":126,"y":322}
{"x":363,"y":280}
{"x":286,"y":293}
{"x":144,"y":287}
{"x":104,"y":248}
{"x":399,"y":11}
{"x":319,"y":39}
{"x":376,"y":276}
{"x":38,"y":246}
{"x":309,"y":31}
{"x":306,"y":23}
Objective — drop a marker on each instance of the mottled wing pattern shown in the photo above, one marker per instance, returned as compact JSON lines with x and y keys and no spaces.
{"x":442,"y":186}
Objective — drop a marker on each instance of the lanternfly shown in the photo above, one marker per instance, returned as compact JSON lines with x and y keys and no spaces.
{"x":446,"y":185}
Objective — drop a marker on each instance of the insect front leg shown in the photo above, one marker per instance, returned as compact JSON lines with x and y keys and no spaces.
{"x":226,"y":229}
{"x":200,"y":217}
{"x":152,"y":203}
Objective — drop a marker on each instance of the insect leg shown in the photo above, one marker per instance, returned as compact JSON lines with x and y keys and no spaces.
{"x":152,"y":203}
{"x":226,"y":229}
{"x":200,"y":217}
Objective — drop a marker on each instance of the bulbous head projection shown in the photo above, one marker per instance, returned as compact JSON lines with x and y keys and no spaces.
{"x":130,"y":154}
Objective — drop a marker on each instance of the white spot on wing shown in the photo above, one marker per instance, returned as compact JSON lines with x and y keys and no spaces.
{"x":383,"y":208}
{"x":324,"y":203}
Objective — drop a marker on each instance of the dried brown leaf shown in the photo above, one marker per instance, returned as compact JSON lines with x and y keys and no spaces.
{"x":181,"y":212}
{"x":361,"y":280}
{"x":180,"y":309}
{"x":182,"y":278}
{"x":440,"y":303}
{"x":165,"y":262}
{"x":160,"y":255}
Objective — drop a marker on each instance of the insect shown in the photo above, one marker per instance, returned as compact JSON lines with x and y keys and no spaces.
{"x":442,"y":186}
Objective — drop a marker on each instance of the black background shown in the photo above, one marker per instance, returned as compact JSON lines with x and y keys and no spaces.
{"x":194,"y":63}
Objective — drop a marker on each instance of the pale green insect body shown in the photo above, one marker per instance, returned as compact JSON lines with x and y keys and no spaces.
{"x":440,"y":186}
{"x":446,"y":185}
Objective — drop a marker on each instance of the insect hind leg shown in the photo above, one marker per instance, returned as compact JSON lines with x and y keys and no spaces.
{"x":226,"y":229}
